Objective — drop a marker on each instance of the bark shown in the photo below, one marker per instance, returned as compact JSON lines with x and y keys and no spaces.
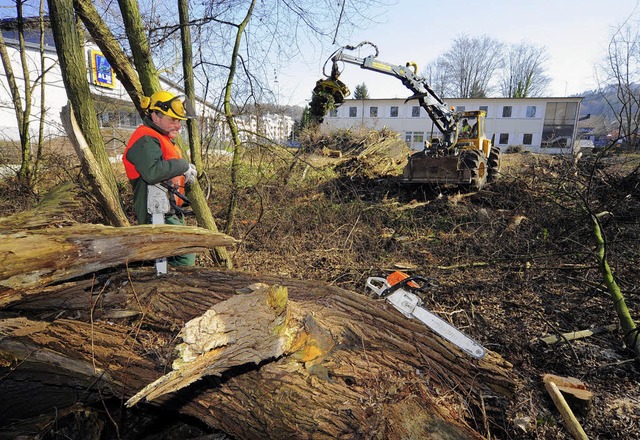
{"x":69,"y":47}
{"x":259,"y":356}
{"x":354,"y":367}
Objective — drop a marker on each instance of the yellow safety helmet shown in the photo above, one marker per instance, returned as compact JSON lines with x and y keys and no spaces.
{"x":169,"y":104}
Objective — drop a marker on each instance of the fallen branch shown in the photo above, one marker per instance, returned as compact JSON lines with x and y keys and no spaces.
{"x":33,"y":259}
{"x":570,"y":420}
{"x":570,"y":336}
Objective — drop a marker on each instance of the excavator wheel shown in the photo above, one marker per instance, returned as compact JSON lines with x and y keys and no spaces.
{"x":494,"y":164}
{"x":476,"y":161}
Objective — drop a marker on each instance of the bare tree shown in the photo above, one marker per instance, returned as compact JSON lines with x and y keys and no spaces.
{"x":23,"y":113}
{"x":436,"y":74}
{"x":235,"y":164}
{"x":470,"y":65}
{"x":523,"y":74}
{"x":620,"y":72}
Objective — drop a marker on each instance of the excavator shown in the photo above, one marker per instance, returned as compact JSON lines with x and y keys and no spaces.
{"x":461,"y":155}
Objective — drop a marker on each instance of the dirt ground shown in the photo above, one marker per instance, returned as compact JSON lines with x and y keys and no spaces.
{"x":513,"y":262}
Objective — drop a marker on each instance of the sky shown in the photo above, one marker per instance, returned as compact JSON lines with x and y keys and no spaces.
{"x":575,"y":32}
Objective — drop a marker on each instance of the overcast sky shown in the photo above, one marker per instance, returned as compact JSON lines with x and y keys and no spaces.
{"x":575,"y":32}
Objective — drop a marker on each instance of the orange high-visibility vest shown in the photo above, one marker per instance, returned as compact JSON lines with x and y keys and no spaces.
{"x":169,"y":151}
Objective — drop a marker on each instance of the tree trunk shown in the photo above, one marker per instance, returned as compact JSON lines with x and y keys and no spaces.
{"x":194,"y":192}
{"x":139,"y":45}
{"x":23,"y":124}
{"x":71,"y":57}
{"x":233,"y":128}
{"x":111,"y":49}
{"x":329,"y":363}
{"x":97,"y":174}
{"x":628,"y":325}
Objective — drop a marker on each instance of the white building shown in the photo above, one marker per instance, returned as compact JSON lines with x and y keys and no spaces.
{"x":538,"y":124}
{"x":114,"y":108}
{"x":275,"y":127}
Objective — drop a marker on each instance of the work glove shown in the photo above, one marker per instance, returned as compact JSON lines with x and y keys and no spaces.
{"x":190,"y":175}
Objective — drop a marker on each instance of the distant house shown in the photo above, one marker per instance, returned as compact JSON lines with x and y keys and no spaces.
{"x":538,"y":124}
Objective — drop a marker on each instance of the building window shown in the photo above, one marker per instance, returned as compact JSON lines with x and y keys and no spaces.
{"x":414,"y":137}
{"x":460,"y":108}
{"x":353,"y":112}
{"x":531,"y":111}
{"x":527,"y":139}
{"x":373,"y":112}
{"x":504,"y":138}
{"x":415,"y":111}
{"x":333,"y":112}
{"x":485,"y":109}
{"x":506,"y":111}
{"x":393,"y":112}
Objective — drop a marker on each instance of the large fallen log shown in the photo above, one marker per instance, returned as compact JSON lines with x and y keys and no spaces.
{"x":46,"y":246}
{"x":359,"y":368}
{"x":326,"y":363}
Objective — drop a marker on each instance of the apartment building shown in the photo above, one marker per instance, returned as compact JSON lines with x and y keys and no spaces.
{"x":537,"y":124}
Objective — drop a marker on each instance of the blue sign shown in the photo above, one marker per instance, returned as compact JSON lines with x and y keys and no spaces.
{"x":102,"y":72}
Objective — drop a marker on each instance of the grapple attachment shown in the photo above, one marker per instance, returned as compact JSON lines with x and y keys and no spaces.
{"x":332,"y":87}
{"x":327,"y":94}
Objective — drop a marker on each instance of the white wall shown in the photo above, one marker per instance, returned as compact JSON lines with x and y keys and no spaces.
{"x":515,"y":126}
{"x":55,"y":94}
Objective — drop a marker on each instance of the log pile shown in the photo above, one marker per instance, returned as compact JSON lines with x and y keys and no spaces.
{"x":269,"y":357}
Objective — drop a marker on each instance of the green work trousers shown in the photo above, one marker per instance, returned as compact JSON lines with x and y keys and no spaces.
{"x":179,"y":260}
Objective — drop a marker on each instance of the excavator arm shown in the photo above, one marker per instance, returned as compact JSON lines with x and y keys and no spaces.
{"x":443,"y":117}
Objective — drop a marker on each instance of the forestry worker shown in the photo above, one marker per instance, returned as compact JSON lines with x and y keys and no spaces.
{"x":151,"y":157}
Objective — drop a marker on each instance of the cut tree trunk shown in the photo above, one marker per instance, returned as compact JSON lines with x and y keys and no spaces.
{"x":346,"y":366}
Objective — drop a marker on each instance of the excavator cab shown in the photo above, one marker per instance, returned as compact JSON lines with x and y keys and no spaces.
{"x":471,"y":132}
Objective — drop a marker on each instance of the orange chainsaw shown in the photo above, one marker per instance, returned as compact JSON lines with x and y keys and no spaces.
{"x":398,"y":289}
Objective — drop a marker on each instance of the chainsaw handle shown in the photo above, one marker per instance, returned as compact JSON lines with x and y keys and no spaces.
{"x":403,"y":283}
{"x":377,"y":285}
